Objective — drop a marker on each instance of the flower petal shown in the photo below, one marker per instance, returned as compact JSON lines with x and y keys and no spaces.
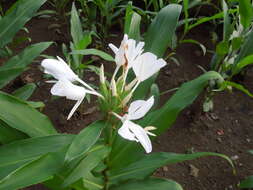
{"x":114,"y":48}
{"x":147,"y":65}
{"x":69,"y":90}
{"x":58,"y":69}
{"x":125,"y":132}
{"x":75,"y":108}
{"x":133,"y":51}
{"x":139,"y":108}
{"x":141,"y":135}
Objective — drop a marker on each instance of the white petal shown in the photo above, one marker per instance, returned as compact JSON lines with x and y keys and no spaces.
{"x":139,"y":108}
{"x":120,"y":57}
{"x":69,"y":90}
{"x":146,"y":65}
{"x":75,"y":108}
{"x":141,"y":135}
{"x":125,"y":132}
{"x":58,"y":69}
{"x":114,"y":48}
{"x":133,"y":51}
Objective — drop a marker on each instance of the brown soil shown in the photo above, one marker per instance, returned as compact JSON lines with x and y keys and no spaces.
{"x":228,"y":129}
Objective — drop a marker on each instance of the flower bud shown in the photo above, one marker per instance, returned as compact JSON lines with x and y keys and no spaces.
{"x":102,"y":74}
{"x":126,"y":99}
{"x":131,"y":85}
{"x":114,"y":88}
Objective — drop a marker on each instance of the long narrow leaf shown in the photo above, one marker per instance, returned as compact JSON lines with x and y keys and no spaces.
{"x":17,"y":64}
{"x":84,"y":140}
{"x":19,"y":115}
{"x":15,"y":154}
{"x":34,"y":172}
{"x":99,"y":53}
{"x":148,"y":164}
{"x":21,"y":12}
{"x":149,"y":184}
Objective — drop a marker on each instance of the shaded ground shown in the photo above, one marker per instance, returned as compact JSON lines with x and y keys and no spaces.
{"x":228,"y":129}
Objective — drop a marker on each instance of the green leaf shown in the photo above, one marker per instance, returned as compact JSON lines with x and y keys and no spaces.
{"x":149,"y":184}
{"x":8,"y":134}
{"x":35,"y":104}
{"x":15,"y":154}
{"x":8,"y":74}
{"x":238,"y":87}
{"x":227,"y":27}
{"x":34,"y":172}
{"x":158,"y":38}
{"x":236,"y":43}
{"x":243,"y":63}
{"x":76,"y":26}
{"x":17,"y":64}
{"x":149,"y":163}
{"x":85,"y":41}
{"x":246,"y":12}
{"x":25,"y":92}
{"x":85,"y":140}
{"x":222,"y":48}
{"x":162,"y":29}
{"x":247,"y":47}
{"x":162,"y":118}
{"x":207,"y":19}
{"x":99,"y":53}
{"x":247,"y":183}
{"x":93,"y":183}
{"x":132,"y":23}
{"x":186,"y":15}
{"x":11,"y":23}
{"x":203,"y":48}
{"x":86,"y":165}
{"x":19,"y":115}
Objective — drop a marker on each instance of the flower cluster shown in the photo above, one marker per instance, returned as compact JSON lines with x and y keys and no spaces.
{"x":115,"y":94}
{"x":130,"y":55}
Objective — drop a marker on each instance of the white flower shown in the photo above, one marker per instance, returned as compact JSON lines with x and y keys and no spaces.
{"x":132,"y":131}
{"x":59,"y":69}
{"x":128,"y":51}
{"x":147,"y":65}
{"x":66,"y":89}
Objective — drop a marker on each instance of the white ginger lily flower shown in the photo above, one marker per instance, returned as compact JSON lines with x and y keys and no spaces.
{"x":66,"y":89}
{"x":59,"y":69}
{"x":147,"y":65}
{"x":132,"y":131}
{"x":128,"y":51}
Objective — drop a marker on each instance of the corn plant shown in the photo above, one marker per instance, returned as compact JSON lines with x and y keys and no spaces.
{"x":98,"y":157}
{"x":234,"y":52}
{"x":78,"y":47}
{"x":101,"y":15}
{"x":11,"y":23}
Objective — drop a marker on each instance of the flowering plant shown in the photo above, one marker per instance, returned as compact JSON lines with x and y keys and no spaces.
{"x":114,"y":153}
{"x":97,"y":157}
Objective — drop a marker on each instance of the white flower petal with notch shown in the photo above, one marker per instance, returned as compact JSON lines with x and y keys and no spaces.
{"x":139,"y":108}
{"x":134,"y":132}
